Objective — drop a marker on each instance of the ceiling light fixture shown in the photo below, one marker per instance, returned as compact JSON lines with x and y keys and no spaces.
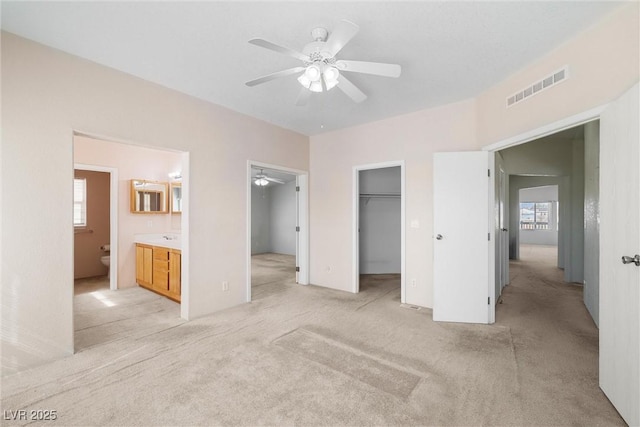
{"x":331,"y":73}
{"x":321,"y":70}
{"x":317,"y":73}
{"x":261,"y":179}
{"x":316,"y":87}
{"x":313,"y":72}
{"x":304,"y":80}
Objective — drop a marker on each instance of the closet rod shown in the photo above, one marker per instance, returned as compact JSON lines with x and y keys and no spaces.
{"x":379,"y":195}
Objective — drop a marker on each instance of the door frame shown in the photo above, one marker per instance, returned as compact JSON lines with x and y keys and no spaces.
{"x":302,"y":202}
{"x":113,"y":218}
{"x":546,"y":130}
{"x":522,"y":138}
{"x":184,"y":217}
{"x":355,"y":221}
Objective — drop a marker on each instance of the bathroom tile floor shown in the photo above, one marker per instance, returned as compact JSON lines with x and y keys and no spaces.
{"x":90,"y":284}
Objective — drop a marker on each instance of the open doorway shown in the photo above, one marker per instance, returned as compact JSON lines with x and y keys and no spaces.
{"x":552,"y":211}
{"x":609,"y":225}
{"x":379,"y":227}
{"x":274,"y":219}
{"x":538,"y":224}
{"x":277,"y":229}
{"x":111,"y":182}
{"x":93,"y":222}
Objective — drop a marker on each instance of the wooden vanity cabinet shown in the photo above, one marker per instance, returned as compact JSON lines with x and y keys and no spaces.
{"x":158,"y":269}
{"x":175,"y":270}
{"x":144,"y":265}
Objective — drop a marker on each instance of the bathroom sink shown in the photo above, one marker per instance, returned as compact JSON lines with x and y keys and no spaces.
{"x":165,"y":240}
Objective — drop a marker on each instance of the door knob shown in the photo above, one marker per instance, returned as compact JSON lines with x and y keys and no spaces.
{"x":439,"y":237}
{"x":504,"y":229}
{"x":629,"y":260}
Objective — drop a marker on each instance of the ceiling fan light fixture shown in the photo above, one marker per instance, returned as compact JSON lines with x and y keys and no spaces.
{"x":304,"y":80}
{"x":330,"y":84}
{"x":321,"y":69}
{"x":313,"y":72}
{"x":261,"y":182}
{"x":316,"y":87}
{"x":331,"y":74}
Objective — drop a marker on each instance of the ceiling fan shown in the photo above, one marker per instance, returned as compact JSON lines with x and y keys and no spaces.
{"x":261,"y":179}
{"x":320,"y":69}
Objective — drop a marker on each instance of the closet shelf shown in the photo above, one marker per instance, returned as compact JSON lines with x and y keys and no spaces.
{"x":369,"y":196}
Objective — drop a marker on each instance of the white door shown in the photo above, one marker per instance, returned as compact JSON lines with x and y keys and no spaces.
{"x":463,"y":280}
{"x":620,"y":236}
{"x":302,"y":240}
{"x":297,"y":230}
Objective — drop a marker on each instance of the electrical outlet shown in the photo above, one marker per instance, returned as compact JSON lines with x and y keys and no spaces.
{"x":413,"y":283}
{"x":149,"y":224}
{"x":225,"y":286}
{"x":328,"y":269}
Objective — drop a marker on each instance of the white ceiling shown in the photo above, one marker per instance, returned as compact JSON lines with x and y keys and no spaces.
{"x":449,"y":51}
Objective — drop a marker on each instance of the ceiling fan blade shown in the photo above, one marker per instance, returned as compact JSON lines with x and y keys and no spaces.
{"x":303,"y":97}
{"x":279,"y":49}
{"x":276,"y":180}
{"x":375,"y":68}
{"x":350,"y":89}
{"x":274,"y":76}
{"x":340,"y":36}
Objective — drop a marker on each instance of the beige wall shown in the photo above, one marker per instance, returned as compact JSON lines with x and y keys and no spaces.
{"x":46,"y":94}
{"x":132,"y":162}
{"x":412,"y":138}
{"x":86,"y":248}
{"x":603,"y":63}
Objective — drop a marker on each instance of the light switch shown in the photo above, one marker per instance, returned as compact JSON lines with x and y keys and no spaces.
{"x":415,"y":223}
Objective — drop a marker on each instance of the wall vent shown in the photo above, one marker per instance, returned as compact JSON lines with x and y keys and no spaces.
{"x":539,"y":86}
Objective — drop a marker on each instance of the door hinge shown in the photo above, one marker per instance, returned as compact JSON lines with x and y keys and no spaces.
{"x":489,"y":300}
{"x":297,"y":228}
{"x":488,"y":172}
{"x":297,"y":268}
{"x":297,"y":188}
{"x":489,"y":236}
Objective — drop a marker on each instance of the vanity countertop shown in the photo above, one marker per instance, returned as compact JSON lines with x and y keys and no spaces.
{"x":165,"y":240}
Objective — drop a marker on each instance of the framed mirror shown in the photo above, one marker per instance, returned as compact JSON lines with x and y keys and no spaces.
{"x":176,"y":197}
{"x":149,"y":196}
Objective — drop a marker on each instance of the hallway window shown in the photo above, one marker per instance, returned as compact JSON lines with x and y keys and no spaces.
{"x":79,"y":202}
{"x":535,"y":215}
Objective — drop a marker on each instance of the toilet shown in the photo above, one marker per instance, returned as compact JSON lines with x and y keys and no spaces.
{"x":106,"y":259}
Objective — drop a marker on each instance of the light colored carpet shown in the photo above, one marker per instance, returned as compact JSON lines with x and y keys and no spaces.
{"x":305,"y":355}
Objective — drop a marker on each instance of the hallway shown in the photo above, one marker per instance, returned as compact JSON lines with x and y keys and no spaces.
{"x":553,"y":334}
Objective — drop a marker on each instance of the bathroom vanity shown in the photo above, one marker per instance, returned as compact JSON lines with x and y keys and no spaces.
{"x":158,"y":265}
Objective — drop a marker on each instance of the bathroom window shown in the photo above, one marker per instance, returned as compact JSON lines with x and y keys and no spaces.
{"x":79,"y":202}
